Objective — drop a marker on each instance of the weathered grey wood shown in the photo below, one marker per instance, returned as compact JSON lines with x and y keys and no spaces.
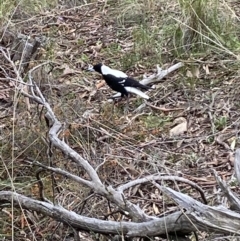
{"x":24,"y":49}
{"x":132,"y":229}
{"x":211,"y":219}
{"x":237,"y":165}
{"x":233,"y":200}
{"x":198,"y":217}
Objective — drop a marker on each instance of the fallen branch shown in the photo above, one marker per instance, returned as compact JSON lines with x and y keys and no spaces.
{"x":151,"y":178}
{"x":211,"y":219}
{"x":234,"y":201}
{"x":155,"y":227}
{"x":237,"y":165}
{"x":160,"y":74}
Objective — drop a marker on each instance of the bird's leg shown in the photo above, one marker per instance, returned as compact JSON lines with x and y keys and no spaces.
{"x":115,"y":100}
{"x":113,"y":107}
{"x":126,"y":107}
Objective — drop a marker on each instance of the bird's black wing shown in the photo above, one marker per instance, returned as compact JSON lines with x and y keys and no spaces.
{"x":134,"y":83}
{"x":116,"y":83}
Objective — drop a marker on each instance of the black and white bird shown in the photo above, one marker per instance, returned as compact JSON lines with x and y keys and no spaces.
{"x":119,"y":81}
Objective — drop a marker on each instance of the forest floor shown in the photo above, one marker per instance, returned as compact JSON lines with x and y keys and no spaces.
{"x":204,"y":93}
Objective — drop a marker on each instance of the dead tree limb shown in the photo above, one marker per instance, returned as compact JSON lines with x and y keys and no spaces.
{"x":233,"y":200}
{"x":203,"y":217}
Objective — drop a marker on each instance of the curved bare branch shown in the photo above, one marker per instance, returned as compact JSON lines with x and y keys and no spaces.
{"x":219,"y":218}
{"x":151,"y":178}
{"x":131,"y":229}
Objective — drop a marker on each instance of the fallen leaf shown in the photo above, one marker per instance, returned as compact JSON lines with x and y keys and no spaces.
{"x":179,"y":120}
{"x":206,"y":68}
{"x":232,"y":142}
{"x":180,"y":128}
{"x":101,"y":84}
{"x":155,"y":209}
{"x":189,"y":74}
{"x":195,"y":72}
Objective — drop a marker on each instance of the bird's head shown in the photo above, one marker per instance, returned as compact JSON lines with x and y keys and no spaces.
{"x":96,"y":68}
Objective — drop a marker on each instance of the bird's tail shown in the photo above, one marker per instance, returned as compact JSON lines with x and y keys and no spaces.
{"x":135,"y":83}
{"x":137,"y":92}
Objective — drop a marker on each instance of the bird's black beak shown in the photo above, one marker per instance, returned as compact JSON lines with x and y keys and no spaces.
{"x":90,"y":68}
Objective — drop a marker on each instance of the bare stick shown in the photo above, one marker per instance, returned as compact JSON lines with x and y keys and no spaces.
{"x":151,"y":178}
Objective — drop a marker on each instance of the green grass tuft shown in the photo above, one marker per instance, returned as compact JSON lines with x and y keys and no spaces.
{"x":206,"y":24}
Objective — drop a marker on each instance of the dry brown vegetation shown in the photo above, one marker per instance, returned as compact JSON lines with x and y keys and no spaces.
{"x":134,"y":36}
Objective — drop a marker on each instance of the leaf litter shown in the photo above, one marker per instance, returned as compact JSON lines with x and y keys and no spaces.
{"x":127,"y":146}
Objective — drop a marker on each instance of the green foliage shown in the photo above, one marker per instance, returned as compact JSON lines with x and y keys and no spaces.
{"x":205,"y":24}
{"x":147,"y":48}
{"x":147,"y":44}
{"x":36,"y":6}
{"x":8,"y":7}
{"x":135,"y":11}
{"x":84,"y":58}
{"x":113,"y":49}
{"x":220,"y":123}
{"x":154,"y":121}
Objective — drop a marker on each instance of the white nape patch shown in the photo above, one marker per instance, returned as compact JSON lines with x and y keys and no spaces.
{"x":137,"y":92}
{"x":106,"y":70}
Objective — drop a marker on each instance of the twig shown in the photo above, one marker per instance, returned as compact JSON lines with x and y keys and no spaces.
{"x":163,"y":108}
{"x":65,"y":174}
{"x":41,"y":186}
{"x":151,"y":178}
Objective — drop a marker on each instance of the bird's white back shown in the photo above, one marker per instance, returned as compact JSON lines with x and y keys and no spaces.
{"x":106,"y":70}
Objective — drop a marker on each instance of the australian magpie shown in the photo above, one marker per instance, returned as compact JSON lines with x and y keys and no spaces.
{"x":119,"y":81}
